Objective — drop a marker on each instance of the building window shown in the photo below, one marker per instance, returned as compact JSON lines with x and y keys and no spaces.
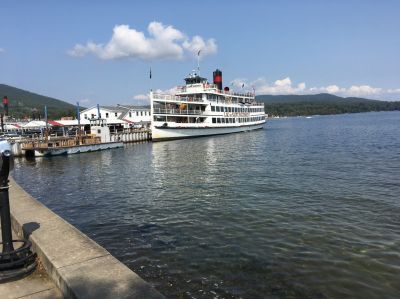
{"x":130,"y":114}
{"x":141,"y":113}
{"x":116,"y":114}
{"x":85,"y":115}
{"x":137,"y":113}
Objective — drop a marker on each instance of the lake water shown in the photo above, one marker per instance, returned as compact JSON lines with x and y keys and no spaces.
{"x":306,"y":208}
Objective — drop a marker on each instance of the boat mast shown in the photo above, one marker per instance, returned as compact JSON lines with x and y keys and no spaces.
{"x":198,"y":62}
{"x":78,"y":116}
{"x":47,"y":124}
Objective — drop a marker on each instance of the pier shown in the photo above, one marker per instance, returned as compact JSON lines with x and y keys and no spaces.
{"x":125,"y":136}
{"x":76,"y":265}
{"x":131,"y":136}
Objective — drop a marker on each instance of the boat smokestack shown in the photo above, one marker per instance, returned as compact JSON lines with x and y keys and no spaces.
{"x":217,"y":78}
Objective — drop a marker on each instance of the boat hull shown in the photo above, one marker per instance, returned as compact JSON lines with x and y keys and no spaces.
{"x":169,"y":133}
{"x":46,"y":152}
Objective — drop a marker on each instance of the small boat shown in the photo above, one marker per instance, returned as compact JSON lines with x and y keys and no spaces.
{"x":98,"y":139}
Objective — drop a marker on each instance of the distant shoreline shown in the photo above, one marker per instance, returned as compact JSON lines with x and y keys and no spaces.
{"x":321,"y":104}
{"x":316,"y":115}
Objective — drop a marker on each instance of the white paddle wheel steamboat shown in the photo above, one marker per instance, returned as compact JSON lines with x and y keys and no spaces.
{"x":200,"y":108}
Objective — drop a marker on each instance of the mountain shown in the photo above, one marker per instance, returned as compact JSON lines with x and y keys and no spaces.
{"x":23,"y":104}
{"x":294,"y":105}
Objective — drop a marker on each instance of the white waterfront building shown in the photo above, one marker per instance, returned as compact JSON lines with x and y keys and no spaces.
{"x":120,"y":115}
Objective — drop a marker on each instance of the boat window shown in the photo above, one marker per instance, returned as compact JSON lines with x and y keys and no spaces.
{"x":213,"y":108}
{"x":106,"y":115}
{"x":217,"y":108}
{"x":214,"y":120}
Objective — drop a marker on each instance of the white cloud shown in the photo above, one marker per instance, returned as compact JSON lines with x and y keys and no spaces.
{"x":363,"y":90}
{"x":163,"y":42}
{"x":141,"y":97}
{"x":85,"y":101}
{"x":332,"y":89}
{"x":285,"y":86}
{"x":197,"y":43}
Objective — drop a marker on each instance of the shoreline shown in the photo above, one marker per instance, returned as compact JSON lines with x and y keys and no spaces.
{"x":75,"y":263}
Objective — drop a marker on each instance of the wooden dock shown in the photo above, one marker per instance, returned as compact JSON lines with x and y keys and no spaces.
{"x":128,"y":136}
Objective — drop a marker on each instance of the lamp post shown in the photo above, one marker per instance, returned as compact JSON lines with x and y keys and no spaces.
{"x":14,"y":263}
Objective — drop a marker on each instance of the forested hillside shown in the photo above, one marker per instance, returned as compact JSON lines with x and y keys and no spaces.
{"x":293,"y":105}
{"x":23,"y":104}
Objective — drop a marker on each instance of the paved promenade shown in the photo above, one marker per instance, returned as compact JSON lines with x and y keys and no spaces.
{"x":37,"y":285}
{"x":77,"y":266}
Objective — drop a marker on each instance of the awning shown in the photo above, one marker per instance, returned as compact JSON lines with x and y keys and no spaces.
{"x":54,"y":123}
{"x":35,"y":124}
{"x":11,"y":127}
{"x":128,"y":121}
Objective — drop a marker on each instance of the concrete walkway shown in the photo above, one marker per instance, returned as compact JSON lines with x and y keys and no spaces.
{"x":37,"y":285}
{"x":78,"y":266}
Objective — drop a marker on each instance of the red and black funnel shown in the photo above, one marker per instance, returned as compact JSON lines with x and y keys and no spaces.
{"x":217,"y":78}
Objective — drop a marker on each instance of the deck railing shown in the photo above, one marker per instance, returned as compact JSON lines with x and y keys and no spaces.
{"x":169,"y":97}
{"x":228,"y":100}
{"x":177,"y":111}
{"x":214,"y":88}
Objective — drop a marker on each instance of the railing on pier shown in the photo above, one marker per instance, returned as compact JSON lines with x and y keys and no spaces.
{"x":60,"y":142}
{"x":128,"y":136}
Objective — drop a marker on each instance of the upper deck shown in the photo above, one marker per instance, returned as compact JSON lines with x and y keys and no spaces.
{"x":199,"y":91}
{"x":203,"y":98}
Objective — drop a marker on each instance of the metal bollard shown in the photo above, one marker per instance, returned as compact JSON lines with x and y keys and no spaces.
{"x":14,"y":263}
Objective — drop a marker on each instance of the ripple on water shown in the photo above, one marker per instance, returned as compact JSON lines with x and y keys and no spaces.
{"x":302,"y":209}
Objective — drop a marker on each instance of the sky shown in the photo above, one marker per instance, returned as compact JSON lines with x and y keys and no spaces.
{"x":101,"y":52}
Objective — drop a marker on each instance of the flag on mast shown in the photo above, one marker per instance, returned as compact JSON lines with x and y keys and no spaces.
{"x":198,"y":62}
